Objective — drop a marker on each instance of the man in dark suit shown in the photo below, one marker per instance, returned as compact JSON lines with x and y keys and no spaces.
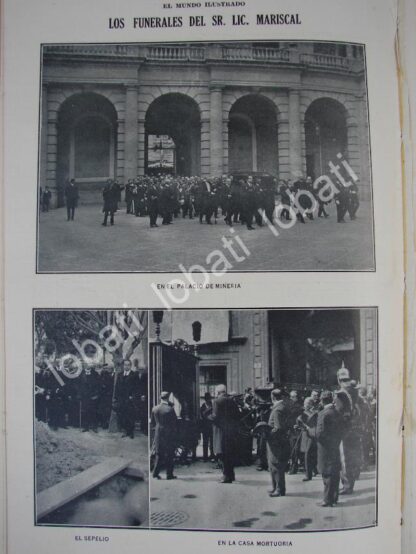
{"x":348,"y":405}
{"x":308,"y":443}
{"x":125,"y":394}
{"x":164,"y":421}
{"x":294,"y":435}
{"x":89,"y":392}
{"x":278,"y":445}
{"x":206,"y":427}
{"x":328,"y":436}
{"x":71,"y":197}
{"x":111,"y":194}
{"x":46,"y":199}
{"x":225,"y":417}
{"x":153,"y":207}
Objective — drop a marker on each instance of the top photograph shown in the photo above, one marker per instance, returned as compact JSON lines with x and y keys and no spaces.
{"x":209,"y":157}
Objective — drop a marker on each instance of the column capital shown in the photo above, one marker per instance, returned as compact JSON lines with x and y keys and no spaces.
{"x":216,"y":88}
{"x":131,"y":87}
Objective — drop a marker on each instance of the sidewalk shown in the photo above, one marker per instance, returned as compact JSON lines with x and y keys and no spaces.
{"x":85,"y":245}
{"x":196,"y":500}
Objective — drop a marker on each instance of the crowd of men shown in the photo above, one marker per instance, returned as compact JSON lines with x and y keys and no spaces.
{"x":241,"y":199}
{"x":246,"y":199}
{"x":331,"y":433}
{"x":98,"y":397}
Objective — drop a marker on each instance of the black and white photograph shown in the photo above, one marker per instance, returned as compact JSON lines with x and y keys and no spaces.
{"x":91,"y":418}
{"x":204,"y":156}
{"x":263,"y":420}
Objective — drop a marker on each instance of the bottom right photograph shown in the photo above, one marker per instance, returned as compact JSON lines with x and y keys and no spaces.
{"x":263,"y":419}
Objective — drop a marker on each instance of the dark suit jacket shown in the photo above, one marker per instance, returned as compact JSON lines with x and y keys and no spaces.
{"x":71,"y":195}
{"x":164,"y":420}
{"x":307,"y":440}
{"x":278,"y":440}
{"x":328,"y":435}
{"x":225,"y":416}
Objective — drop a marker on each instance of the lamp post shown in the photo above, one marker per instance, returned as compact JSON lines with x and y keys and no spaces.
{"x":157,"y":320}
{"x":196,"y":334}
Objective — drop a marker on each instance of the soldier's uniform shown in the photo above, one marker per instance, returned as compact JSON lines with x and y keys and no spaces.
{"x":348,"y":405}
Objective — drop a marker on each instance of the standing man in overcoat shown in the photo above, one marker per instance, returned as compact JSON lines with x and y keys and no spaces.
{"x":328,"y":436}
{"x":165,"y":424}
{"x":225,"y":417}
{"x":71,"y":198}
{"x":125,"y":393}
{"x":111,"y":194}
{"x":278,"y":445}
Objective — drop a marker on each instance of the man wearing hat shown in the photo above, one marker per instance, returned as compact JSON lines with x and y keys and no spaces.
{"x":278,"y":445}
{"x":348,"y":405}
{"x":206,"y":427}
{"x":164,"y":421}
{"x":225,"y":417}
{"x":327,"y":434}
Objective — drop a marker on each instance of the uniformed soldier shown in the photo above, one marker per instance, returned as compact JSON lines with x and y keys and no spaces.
{"x":348,"y":405}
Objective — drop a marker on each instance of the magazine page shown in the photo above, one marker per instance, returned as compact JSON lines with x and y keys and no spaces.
{"x":203,"y":276}
{"x":406,"y":45}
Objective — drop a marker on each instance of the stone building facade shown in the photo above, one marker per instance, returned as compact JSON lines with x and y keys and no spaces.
{"x":286,"y":109}
{"x":295,"y":348}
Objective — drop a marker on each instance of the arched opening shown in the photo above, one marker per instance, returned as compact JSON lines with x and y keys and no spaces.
{"x":252,"y":135}
{"x":87,"y":131}
{"x":173,"y":135}
{"x":325,"y":135}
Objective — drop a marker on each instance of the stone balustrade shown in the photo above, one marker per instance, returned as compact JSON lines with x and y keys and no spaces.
{"x":224,"y":53}
{"x":173,"y":53}
{"x":326,"y":60}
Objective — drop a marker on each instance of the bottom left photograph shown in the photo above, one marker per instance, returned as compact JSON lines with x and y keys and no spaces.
{"x":91,"y":417}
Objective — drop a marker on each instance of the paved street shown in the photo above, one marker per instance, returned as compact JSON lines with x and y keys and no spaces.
{"x":84,"y":245}
{"x":197,"y":500}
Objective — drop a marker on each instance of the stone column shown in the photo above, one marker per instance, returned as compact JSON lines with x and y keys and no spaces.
{"x":283,"y":144}
{"x":130,"y":134}
{"x":51,"y":139}
{"x":368,"y":346}
{"x":295,"y":135}
{"x":43,"y":138}
{"x":215,"y":135}
{"x":120,"y":150}
{"x":141,"y":145}
{"x":205,"y":146}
